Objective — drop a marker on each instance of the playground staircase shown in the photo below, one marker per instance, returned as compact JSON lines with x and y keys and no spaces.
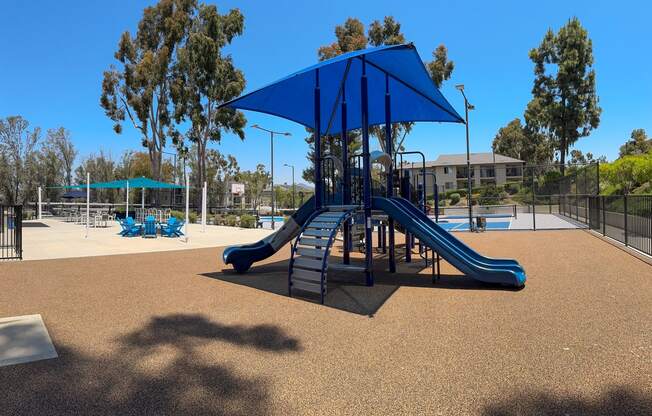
{"x":309,"y":257}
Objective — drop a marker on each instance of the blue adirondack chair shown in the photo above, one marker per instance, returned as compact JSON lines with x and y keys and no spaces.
{"x":132,"y":229}
{"x":172,"y":228}
{"x":149,"y":230}
{"x":125,"y":226}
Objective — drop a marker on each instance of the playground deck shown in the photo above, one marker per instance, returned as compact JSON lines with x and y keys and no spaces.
{"x":172,"y":333}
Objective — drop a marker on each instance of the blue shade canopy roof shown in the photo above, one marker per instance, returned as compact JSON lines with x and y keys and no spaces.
{"x":133,"y":183}
{"x":414,"y":96}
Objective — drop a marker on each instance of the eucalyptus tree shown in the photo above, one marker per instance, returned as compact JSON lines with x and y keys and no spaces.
{"x":639,"y":143}
{"x":565,"y":102}
{"x":138,"y":89}
{"x":517,"y":141}
{"x":204,"y":77}
{"x":58,"y":142}
{"x":19,"y":147}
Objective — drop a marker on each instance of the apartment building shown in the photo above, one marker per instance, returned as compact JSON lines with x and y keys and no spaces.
{"x":486,"y":169}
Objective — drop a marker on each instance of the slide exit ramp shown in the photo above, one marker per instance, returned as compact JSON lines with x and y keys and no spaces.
{"x":485,"y":269}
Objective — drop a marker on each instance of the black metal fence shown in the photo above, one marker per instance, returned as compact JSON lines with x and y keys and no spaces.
{"x":11,"y":232}
{"x":625,"y":218}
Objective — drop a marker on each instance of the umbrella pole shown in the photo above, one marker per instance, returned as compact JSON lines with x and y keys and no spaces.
{"x":185,"y":226}
{"x":88,"y":202}
{"x":127,"y":209}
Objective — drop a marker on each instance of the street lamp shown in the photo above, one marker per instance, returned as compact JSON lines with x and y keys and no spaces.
{"x":293,"y":189}
{"x":467,"y":106}
{"x":271,"y":142}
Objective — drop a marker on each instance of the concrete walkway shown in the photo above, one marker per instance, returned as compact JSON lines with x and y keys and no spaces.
{"x":60,"y":239}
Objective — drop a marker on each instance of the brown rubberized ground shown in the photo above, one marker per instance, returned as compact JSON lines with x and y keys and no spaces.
{"x":170,"y":333}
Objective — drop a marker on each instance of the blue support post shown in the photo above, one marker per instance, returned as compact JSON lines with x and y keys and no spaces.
{"x":318,"y":183}
{"x":367,"y":175}
{"x":389,"y":146}
{"x":346,"y":177}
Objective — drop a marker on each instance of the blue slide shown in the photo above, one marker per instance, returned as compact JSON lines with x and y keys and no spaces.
{"x":462,"y":257}
{"x":243,"y":256}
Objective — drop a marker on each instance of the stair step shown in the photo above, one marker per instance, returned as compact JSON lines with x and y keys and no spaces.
{"x":345,"y":267}
{"x":311,"y":252}
{"x":327,"y":218}
{"x":324,"y":225}
{"x":309,"y":275}
{"x":313,"y":242}
{"x":317,"y":233}
{"x":307,"y":263}
{"x":307,"y":286}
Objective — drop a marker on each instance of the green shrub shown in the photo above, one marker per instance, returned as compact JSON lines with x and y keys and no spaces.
{"x":181,"y":216}
{"x":489,"y":195}
{"x":455,"y":198}
{"x":511,"y":188}
{"x":248,"y":221}
{"x":231,"y":220}
{"x":461,"y":192}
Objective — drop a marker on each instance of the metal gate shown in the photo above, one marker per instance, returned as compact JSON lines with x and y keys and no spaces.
{"x":11,"y":232}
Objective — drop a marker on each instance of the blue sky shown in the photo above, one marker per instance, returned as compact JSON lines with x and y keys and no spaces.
{"x":53,"y":55}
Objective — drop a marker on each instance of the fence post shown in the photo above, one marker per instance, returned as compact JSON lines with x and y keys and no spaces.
{"x":40,"y":212}
{"x":604,"y":216}
{"x":625,"y":203}
{"x":534,"y":204}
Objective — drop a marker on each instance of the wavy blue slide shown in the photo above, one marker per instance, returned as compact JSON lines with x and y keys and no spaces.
{"x":462,"y":257}
{"x":242,"y":257}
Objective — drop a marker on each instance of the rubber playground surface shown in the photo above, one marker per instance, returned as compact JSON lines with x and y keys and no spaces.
{"x":177,"y":333}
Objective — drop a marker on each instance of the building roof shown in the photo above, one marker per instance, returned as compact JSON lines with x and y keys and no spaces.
{"x":486,"y":158}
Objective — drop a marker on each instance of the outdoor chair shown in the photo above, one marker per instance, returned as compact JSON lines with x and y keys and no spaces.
{"x":131,"y":229}
{"x":149,"y":229}
{"x":125,"y":227}
{"x":172,"y":228}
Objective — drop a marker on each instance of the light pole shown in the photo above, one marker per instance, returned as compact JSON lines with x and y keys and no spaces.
{"x":467,"y":107}
{"x":293,"y":189}
{"x":271,"y":143}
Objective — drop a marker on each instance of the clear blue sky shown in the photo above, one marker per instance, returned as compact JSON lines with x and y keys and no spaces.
{"x":53,"y":55}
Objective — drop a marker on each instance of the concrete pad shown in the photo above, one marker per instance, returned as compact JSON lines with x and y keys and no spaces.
{"x":65,"y":240}
{"x":24,"y":339}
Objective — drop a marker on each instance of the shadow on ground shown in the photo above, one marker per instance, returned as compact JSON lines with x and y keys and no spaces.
{"x":157,"y":369}
{"x":347,"y":291}
{"x":616,"y":401}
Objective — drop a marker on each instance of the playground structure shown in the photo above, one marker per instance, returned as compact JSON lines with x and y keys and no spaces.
{"x":393,"y":87}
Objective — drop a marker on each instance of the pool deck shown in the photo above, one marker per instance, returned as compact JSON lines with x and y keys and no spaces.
{"x":180,"y":333}
{"x":65,"y":240}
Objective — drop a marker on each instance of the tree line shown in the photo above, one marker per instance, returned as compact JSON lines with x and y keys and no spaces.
{"x":30,"y":158}
{"x":171,"y":75}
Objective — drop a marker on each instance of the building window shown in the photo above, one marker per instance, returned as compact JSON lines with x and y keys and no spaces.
{"x":461,"y":172}
{"x":445,"y":170}
{"x":514,"y":170}
{"x":449,"y":185}
{"x":487,"y":172}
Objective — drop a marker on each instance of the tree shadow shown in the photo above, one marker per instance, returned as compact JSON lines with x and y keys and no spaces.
{"x":616,"y":401}
{"x":157,"y":369}
{"x":346,"y":290}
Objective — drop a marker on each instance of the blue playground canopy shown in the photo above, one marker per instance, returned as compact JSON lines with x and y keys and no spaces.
{"x":141,"y":182}
{"x":395,"y":68}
